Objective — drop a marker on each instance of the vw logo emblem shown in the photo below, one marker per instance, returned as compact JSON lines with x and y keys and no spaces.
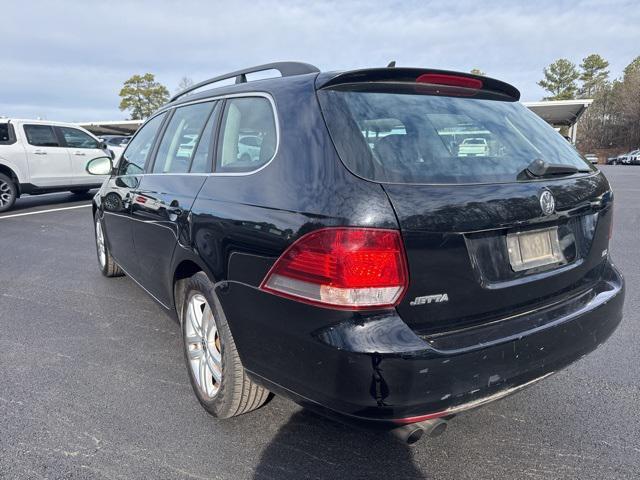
{"x":547,"y":202}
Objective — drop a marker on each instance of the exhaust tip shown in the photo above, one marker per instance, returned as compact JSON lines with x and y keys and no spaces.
{"x":414,"y":436}
{"x":413,"y":432}
{"x":438,"y":428}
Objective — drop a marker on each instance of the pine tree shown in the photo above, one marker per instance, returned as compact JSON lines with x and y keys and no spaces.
{"x":142,"y":95}
{"x":594,"y":75}
{"x":560,"y":80}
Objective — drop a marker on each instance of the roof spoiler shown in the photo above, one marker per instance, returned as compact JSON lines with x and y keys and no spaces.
{"x":422,"y":75}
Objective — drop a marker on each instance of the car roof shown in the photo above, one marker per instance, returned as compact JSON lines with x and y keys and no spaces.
{"x":299,"y":70}
{"x":47,"y":122}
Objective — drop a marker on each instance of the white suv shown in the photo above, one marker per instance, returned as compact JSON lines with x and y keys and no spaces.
{"x":40,"y":157}
{"x":473,"y":147}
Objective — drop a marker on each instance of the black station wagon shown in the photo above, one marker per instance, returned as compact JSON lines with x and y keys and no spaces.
{"x":332,"y":238}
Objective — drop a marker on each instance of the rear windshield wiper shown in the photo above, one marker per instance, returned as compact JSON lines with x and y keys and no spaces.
{"x":539,"y":168}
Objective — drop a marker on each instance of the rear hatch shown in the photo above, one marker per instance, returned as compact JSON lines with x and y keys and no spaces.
{"x":519,"y":225}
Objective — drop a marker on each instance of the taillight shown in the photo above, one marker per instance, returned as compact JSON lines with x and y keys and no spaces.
{"x":450,"y":80}
{"x":346,"y":268}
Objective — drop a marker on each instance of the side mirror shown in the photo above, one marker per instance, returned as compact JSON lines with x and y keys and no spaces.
{"x":100,"y":166}
{"x":102,"y":146}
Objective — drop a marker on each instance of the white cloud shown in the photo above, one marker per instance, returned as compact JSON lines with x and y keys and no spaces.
{"x":67,"y":59}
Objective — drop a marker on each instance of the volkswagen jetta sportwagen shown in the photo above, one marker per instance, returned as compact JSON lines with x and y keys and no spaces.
{"x":356,"y":262}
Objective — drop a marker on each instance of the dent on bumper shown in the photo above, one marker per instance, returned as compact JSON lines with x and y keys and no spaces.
{"x":416,"y":378}
{"x":374,"y":368}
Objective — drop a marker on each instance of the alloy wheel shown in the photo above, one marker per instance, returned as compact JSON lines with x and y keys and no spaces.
{"x":203,"y":346}
{"x":6,"y":193}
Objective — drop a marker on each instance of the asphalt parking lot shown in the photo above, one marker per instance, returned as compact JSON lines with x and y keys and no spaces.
{"x":93,"y":384}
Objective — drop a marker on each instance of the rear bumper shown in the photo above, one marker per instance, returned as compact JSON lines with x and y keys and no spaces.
{"x":373,"y":369}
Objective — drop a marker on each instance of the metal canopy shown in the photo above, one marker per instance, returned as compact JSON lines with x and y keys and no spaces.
{"x":112,"y":127}
{"x":559,"y":113}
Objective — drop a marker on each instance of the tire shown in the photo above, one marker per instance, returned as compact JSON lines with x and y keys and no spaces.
{"x":106,"y":263}
{"x":82,"y":191}
{"x":8,"y":193}
{"x":217,"y":376}
{"x":614,"y":163}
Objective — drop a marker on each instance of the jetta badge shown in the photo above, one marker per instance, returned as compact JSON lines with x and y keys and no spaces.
{"x":437,"y":298}
{"x":547,"y":202}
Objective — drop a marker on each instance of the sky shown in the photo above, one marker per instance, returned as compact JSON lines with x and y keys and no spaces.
{"x":67,"y":60}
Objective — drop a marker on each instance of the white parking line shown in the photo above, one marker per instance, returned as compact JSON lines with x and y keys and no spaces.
{"x":44,"y":211}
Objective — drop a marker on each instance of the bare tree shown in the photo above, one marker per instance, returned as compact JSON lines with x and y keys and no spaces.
{"x":185,"y":82}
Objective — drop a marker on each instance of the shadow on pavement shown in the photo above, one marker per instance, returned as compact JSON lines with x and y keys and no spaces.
{"x":54,"y":199}
{"x":310,"y":446}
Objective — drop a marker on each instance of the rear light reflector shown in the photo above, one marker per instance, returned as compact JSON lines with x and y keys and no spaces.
{"x":450,"y":80}
{"x":347,"y":268}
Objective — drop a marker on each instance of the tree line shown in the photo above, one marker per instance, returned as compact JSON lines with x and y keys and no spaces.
{"x":611,"y":122}
{"x":613,"y":119}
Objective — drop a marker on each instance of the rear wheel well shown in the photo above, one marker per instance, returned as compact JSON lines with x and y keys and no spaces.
{"x":186,"y":269}
{"x":11,"y":174}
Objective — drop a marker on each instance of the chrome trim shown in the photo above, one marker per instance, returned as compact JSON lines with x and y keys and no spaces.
{"x":274,"y":111}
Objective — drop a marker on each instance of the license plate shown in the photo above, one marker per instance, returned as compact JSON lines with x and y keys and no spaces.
{"x":534,"y":248}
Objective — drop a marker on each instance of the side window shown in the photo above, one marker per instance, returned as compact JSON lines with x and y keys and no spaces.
{"x":135,"y":156}
{"x":247,"y":135}
{"x":200,"y":163}
{"x":181,"y":138}
{"x":78,"y":139}
{"x":41,"y":136}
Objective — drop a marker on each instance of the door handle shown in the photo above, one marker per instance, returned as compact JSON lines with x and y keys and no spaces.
{"x":39,"y":152}
{"x":79,"y":153}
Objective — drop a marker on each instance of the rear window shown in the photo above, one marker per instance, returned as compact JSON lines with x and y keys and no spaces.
{"x":6,"y":134}
{"x":416,"y":138}
{"x":247,"y":135}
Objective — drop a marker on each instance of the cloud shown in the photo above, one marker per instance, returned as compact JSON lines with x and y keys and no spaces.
{"x":66,"y":60}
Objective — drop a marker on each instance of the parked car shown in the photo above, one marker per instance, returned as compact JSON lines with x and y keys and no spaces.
{"x":633,"y":158}
{"x":115,"y":140}
{"x":591,"y":158}
{"x":612,"y":160}
{"x":249,"y":148}
{"x":474,"y":146}
{"x":40,"y":157}
{"x":625,"y":158}
{"x":392,"y":287}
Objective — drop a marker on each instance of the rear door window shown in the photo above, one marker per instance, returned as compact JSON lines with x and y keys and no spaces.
{"x":75,"y":138}
{"x":419,"y":138}
{"x":41,"y":136}
{"x":247,"y":138}
{"x":138,"y":150}
{"x":181,"y":138}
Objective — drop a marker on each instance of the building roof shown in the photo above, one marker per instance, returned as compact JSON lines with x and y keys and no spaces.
{"x":559,"y":112}
{"x":112,"y":127}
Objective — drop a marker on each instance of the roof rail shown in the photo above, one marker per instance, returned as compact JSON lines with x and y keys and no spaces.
{"x":286,"y":69}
